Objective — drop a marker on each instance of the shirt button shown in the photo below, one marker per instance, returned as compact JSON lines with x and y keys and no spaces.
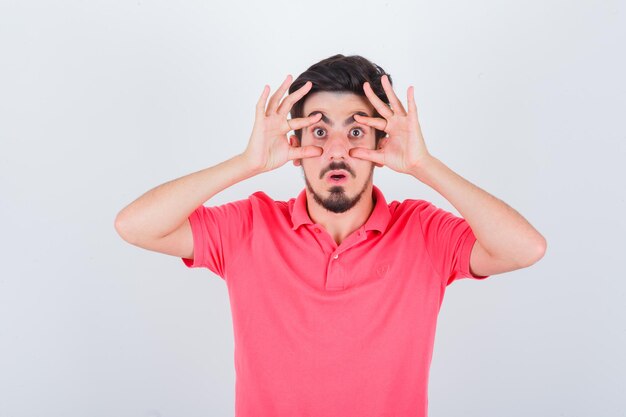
{"x":336,"y":256}
{"x":317,"y":230}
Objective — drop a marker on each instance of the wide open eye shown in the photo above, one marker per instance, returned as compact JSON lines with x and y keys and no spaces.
{"x":317,"y":129}
{"x":361,"y":133}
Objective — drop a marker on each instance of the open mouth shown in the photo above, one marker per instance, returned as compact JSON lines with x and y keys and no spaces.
{"x":337,"y":177}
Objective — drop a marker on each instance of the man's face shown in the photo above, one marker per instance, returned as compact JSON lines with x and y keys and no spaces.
{"x":336,"y":133}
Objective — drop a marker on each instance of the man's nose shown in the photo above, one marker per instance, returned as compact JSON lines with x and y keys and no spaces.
{"x":337,"y":146}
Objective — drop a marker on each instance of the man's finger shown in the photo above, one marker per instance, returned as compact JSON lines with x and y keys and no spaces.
{"x":273,"y":104}
{"x":300,"y":122}
{"x":299,"y":152}
{"x":289,"y":101}
{"x":260,"y":105}
{"x":375,"y":122}
{"x":381,"y":106}
{"x":396,"y":105}
{"x":372,"y":155}
{"x":412,"y":105}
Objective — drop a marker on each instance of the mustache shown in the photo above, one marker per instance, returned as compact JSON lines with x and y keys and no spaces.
{"x":334,"y":166}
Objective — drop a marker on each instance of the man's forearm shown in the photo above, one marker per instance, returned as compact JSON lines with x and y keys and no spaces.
{"x":501,"y":230}
{"x":161,"y":210}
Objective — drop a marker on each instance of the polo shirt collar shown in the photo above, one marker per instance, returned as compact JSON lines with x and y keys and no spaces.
{"x":378,"y":220}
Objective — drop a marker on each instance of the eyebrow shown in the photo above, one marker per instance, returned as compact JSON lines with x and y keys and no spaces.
{"x":349,"y":120}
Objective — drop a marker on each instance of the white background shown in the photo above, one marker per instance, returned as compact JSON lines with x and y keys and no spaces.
{"x":101,"y":101}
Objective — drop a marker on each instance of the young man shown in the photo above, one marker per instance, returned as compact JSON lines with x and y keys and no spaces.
{"x":334,"y":294}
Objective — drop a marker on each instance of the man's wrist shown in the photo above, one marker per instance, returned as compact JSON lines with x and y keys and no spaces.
{"x":247,"y":165}
{"x":424,"y":167}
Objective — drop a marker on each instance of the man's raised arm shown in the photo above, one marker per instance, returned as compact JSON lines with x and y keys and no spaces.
{"x":505,"y":240}
{"x":163,"y":211}
{"x":158,"y":220}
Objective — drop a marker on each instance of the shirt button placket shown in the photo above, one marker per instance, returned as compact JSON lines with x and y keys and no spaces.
{"x":335,"y":274}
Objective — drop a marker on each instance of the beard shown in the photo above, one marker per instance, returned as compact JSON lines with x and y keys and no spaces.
{"x":338,"y":201}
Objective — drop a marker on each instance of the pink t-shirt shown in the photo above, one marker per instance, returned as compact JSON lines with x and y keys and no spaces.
{"x":323,"y":330}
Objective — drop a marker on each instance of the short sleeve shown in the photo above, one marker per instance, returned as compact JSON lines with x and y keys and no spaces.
{"x":218,"y":233}
{"x":449,"y":241}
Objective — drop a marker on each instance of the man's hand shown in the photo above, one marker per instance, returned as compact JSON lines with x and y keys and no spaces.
{"x":404,"y":149}
{"x":268,"y":147}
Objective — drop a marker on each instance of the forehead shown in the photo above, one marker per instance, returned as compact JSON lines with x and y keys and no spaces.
{"x":333,"y":102}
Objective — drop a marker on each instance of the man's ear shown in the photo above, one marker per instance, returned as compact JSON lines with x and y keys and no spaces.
{"x":293,"y":141}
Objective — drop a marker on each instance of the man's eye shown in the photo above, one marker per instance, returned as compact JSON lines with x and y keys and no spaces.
{"x":316,"y":130}
{"x":358,"y":130}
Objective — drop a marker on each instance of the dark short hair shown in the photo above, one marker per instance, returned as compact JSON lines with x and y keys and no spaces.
{"x":341,"y":74}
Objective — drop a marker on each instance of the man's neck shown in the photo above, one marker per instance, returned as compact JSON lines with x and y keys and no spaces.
{"x":341,"y":225}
